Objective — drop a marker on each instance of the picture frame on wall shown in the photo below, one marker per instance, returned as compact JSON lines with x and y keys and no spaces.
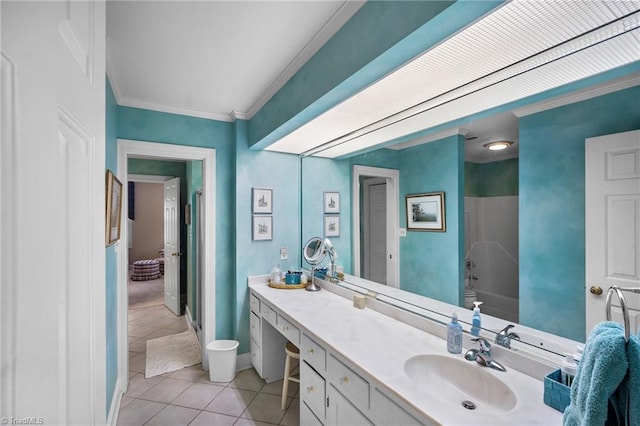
{"x":332,"y":226}
{"x":262,"y":228}
{"x":331,"y":202}
{"x":426,"y":212}
{"x":262,"y":200}
{"x":113,"y":211}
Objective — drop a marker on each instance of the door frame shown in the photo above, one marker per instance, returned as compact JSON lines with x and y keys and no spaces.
{"x":392,"y":177}
{"x":152,"y":150}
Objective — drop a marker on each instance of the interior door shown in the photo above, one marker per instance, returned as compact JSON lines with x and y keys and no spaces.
{"x":612,"y":224}
{"x":52,"y":307}
{"x":172,"y":245}
{"x":375,"y":225}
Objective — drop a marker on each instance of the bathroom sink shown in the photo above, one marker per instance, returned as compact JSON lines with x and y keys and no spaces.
{"x":454,"y":381}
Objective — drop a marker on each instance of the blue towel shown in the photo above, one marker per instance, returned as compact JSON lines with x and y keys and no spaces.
{"x":626,"y":401}
{"x":602,"y":369}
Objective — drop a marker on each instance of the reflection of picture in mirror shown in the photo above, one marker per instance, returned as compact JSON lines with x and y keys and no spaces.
{"x":425,"y":212}
{"x":262,"y":228}
{"x":332,"y":226}
{"x":331,"y":202}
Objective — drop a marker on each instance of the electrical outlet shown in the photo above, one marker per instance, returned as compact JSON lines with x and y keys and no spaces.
{"x":284,"y":253}
{"x":403,"y":232}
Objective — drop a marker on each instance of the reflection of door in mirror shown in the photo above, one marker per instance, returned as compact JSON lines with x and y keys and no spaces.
{"x":374,"y":229}
{"x":375,"y":224}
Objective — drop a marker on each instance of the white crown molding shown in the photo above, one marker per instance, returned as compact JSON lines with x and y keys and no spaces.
{"x":430,"y":138}
{"x":342,"y":15}
{"x":175,"y":110}
{"x":581,"y":95}
{"x":238,"y":115}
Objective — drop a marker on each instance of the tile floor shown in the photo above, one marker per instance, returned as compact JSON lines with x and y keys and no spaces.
{"x":186,"y":396}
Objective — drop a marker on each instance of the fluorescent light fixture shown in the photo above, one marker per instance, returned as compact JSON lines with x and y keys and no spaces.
{"x":498,"y":145}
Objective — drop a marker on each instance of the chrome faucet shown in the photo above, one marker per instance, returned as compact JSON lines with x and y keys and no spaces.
{"x":503,"y":338}
{"x":483,"y":355}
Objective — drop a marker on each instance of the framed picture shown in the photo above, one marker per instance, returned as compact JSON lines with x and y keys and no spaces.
{"x":425,"y":212}
{"x":331,"y":202}
{"x":262,"y":200}
{"x":113,"y":208}
{"x":331,"y":226}
{"x":262,"y":228}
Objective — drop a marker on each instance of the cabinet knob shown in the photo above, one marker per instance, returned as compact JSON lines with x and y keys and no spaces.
{"x":310,"y":351}
{"x":310,"y":389}
{"x":344,"y":379}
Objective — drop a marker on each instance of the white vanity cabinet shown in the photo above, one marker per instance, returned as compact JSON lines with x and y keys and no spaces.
{"x":332,"y":390}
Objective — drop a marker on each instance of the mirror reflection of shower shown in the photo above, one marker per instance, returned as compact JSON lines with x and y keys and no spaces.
{"x":491,"y":259}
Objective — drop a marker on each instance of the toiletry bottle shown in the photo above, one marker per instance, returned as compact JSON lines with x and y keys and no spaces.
{"x":454,"y":335}
{"x":568,"y":370}
{"x":475,"y":323}
{"x":276,"y":274}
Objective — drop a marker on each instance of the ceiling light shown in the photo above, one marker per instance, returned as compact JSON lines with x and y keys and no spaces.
{"x":498,"y":145}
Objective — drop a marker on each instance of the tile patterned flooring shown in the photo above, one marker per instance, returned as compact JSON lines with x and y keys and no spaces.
{"x":186,"y":396}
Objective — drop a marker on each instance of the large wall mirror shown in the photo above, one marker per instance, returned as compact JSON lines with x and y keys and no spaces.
{"x":515,"y":219}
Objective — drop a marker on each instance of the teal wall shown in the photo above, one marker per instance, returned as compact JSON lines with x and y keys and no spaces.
{"x":111,"y":280}
{"x":552,"y":207}
{"x":495,"y":179}
{"x":325,"y":175}
{"x":431,"y":262}
{"x":262,"y":169}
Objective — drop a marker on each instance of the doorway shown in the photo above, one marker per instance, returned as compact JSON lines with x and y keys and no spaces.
{"x":137,"y":149}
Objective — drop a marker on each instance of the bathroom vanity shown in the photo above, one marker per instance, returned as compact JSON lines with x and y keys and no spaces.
{"x":363,"y":367}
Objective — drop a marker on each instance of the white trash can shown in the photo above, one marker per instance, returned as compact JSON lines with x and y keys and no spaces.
{"x":222,"y":360}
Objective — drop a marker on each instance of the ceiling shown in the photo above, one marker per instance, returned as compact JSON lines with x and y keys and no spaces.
{"x":224,"y":59}
{"x":213,"y":59}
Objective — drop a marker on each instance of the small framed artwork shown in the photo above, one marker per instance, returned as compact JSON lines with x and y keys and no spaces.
{"x":262,"y":228}
{"x":113,"y":208}
{"x":262,"y":200}
{"x":425,"y":212}
{"x":331,"y":226}
{"x":331,"y":202}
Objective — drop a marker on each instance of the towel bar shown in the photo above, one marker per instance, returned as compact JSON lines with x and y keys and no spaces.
{"x":623,"y":305}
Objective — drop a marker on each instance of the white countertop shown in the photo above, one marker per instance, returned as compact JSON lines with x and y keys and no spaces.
{"x":380,"y":345}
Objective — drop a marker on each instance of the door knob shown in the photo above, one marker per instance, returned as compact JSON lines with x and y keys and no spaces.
{"x":176,"y":254}
{"x":595,"y":289}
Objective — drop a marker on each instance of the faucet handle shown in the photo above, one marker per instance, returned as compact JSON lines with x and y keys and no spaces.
{"x":505,"y":330}
{"x":485,"y":346}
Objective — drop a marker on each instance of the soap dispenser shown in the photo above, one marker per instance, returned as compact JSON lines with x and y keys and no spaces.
{"x":476,"y":321}
{"x":454,"y":335}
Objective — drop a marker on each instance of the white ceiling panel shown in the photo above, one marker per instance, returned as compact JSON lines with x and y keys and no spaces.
{"x":519,"y":50}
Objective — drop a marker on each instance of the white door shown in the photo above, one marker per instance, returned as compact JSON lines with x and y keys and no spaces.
{"x":612,"y":224}
{"x":52,"y":234}
{"x":375,"y":226}
{"x":172,"y":245}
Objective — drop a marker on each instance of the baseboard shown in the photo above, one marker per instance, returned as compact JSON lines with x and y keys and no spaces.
{"x":243,"y":361}
{"x":116,"y":400}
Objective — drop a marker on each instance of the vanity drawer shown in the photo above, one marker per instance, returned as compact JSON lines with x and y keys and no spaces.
{"x":312,"y":390}
{"x":313,"y":353}
{"x":347,"y":381}
{"x":307,"y":418}
{"x":254,"y":326}
{"x":269,"y":314}
{"x":290,"y":331}
{"x":256,"y":357}
{"x":254,"y":304}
